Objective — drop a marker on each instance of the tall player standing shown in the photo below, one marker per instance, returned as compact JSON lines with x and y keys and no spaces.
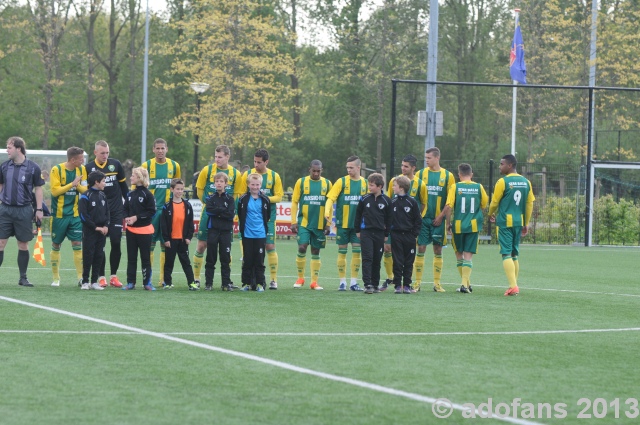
{"x":115,"y":189}
{"x":205,"y":186}
{"x":346,"y":193}
{"x":66,"y":183}
{"x":161,"y":171}
{"x":511,"y":208}
{"x":272,"y":188}
{"x":438,"y":181}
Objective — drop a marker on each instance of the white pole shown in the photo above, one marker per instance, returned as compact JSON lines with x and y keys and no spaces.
{"x":592,"y":83}
{"x":432,"y":75}
{"x":145,"y":89}
{"x":513,"y":106}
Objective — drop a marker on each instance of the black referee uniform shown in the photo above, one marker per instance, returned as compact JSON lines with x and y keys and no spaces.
{"x":372,"y":221}
{"x":405,"y":228}
{"x":17,"y":182}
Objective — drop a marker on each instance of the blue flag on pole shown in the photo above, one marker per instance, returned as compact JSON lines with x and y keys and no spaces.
{"x":516,"y":63}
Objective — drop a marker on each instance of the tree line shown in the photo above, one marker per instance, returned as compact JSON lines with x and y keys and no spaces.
{"x":71,"y":73}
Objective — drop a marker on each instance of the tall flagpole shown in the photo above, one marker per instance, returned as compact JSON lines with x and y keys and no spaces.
{"x":145,"y":89}
{"x":513,"y":106}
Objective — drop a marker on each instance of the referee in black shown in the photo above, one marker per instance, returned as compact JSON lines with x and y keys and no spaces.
{"x":20,"y":178}
{"x":405,"y":228}
{"x":372,"y":224}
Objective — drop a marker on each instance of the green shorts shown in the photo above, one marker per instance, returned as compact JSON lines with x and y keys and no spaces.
{"x":346,"y":236}
{"x":315,"y":237}
{"x":66,"y":227}
{"x":431,"y":234}
{"x":157,"y":231}
{"x":271,"y":232}
{"x":203,"y":231}
{"x":465,"y":242}
{"x":509,"y":240}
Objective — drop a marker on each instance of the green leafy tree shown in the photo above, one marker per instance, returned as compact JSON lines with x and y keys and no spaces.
{"x":234,"y":46}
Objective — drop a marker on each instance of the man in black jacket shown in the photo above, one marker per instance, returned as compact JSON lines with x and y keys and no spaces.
{"x":177,"y":231}
{"x":115,"y":189}
{"x":405,"y":228}
{"x":372,"y":224}
{"x":220,"y":209}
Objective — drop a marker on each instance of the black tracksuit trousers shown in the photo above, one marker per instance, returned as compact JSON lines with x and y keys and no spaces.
{"x":372,"y":248}
{"x":180,"y":248}
{"x":403,"y":249}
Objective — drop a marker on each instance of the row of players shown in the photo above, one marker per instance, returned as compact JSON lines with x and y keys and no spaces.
{"x":312,"y":205}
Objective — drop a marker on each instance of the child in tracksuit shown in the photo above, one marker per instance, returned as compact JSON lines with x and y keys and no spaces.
{"x":139,"y":209}
{"x":405,"y":228}
{"x":177,"y":231}
{"x":372,"y":224}
{"x":254,"y":211}
{"x":94,"y":213}
{"x":220,"y":209}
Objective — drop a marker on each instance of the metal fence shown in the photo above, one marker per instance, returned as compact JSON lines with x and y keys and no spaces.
{"x":559,"y":212}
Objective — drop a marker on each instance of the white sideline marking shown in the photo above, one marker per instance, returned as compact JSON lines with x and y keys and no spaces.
{"x":282,"y":365}
{"x":337,"y":334}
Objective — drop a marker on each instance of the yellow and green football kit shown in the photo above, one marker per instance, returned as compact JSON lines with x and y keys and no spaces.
{"x":307,"y":211}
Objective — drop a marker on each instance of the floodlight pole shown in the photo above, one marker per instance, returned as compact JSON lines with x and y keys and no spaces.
{"x":199,"y":88}
{"x":392,"y":136}
{"x":588,"y":231}
{"x":432,"y":75}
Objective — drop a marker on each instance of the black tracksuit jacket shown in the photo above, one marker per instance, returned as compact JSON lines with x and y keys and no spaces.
{"x":220,"y":209}
{"x":166,"y":222}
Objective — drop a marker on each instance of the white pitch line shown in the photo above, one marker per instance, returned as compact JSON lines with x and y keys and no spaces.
{"x":276,"y":363}
{"x":573,"y":291}
{"x":12,"y":331}
{"x":335,"y":334}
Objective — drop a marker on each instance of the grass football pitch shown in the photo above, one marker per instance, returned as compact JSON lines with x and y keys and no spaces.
{"x":566,"y":347}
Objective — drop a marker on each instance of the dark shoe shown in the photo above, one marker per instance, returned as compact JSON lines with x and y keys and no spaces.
{"x":385,"y":285}
{"x":369,"y":289}
{"x":463,"y":289}
{"x":407,"y":290}
{"x":376,"y":290}
{"x":25,"y":282}
{"x":227,"y":288}
{"x":207,"y":288}
{"x":398,"y":290}
{"x":232,"y":286}
{"x":470,"y":288}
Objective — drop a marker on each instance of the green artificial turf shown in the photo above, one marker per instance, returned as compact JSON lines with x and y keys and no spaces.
{"x":468,"y":348}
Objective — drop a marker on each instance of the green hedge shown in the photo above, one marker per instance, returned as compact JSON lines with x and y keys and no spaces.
{"x":614,"y":223}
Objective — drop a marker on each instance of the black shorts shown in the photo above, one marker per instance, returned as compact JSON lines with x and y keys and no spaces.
{"x":115,"y":226}
{"x":16,"y":221}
